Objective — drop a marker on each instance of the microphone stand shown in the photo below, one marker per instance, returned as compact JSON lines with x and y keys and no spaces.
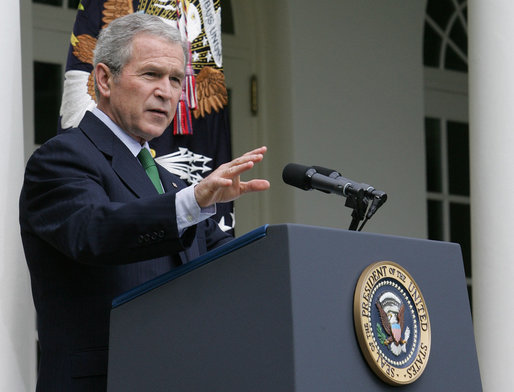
{"x":359,"y":203}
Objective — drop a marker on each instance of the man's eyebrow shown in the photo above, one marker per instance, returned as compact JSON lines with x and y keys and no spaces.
{"x":179,"y":74}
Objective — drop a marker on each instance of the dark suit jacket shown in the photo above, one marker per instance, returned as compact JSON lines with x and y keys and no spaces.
{"x":93,"y":227}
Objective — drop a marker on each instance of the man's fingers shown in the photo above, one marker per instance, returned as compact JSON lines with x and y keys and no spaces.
{"x":261,"y":150}
{"x":240,"y":164}
{"x":235,"y":169}
{"x":254,"y":186}
{"x":246,"y":158}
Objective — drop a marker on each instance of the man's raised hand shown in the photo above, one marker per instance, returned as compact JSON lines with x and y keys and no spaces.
{"x":224,"y":183}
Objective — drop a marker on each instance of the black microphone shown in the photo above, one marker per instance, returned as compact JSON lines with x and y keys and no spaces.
{"x":378,"y":197}
{"x":306,"y":178}
{"x":331,"y":181}
{"x":348,"y":183}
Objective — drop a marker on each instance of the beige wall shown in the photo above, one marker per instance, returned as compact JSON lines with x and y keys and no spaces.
{"x":343,"y":88}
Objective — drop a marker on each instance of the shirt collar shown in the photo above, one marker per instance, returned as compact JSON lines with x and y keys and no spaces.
{"x":125,"y":138}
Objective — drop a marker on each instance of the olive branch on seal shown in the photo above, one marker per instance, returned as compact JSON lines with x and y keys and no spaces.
{"x":381,"y":335}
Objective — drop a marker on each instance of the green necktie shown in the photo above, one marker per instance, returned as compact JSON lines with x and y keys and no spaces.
{"x":148,"y":163}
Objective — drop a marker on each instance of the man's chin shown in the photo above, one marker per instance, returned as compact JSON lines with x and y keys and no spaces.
{"x":150,"y":133}
{"x":155,"y":134}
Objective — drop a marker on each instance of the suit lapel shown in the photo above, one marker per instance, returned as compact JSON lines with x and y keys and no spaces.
{"x":131,"y":172}
{"x":126,"y":166}
{"x":170,"y":182}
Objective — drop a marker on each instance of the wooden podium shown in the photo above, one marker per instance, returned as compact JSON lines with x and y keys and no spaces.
{"x":273,"y":311}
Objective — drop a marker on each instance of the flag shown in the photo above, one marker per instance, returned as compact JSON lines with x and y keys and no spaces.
{"x":198,"y":140}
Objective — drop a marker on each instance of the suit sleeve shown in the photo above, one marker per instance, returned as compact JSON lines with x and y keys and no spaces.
{"x":73,"y":203}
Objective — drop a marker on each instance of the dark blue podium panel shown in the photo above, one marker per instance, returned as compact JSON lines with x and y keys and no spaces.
{"x":273,"y":311}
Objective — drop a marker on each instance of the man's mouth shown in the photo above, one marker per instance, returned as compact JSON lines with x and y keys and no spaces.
{"x":160,"y":112}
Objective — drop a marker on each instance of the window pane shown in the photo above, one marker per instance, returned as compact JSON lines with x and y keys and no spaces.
{"x":47,"y":99}
{"x":431,"y":47}
{"x":435,"y":220}
{"x":227,"y":18}
{"x":433,"y":154}
{"x":460,"y":232}
{"x":458,"y":158}
{"x":454,"y":62}
{"x":49,"y":2}
{"x":459,"y":36}
{"x":440,"y":11}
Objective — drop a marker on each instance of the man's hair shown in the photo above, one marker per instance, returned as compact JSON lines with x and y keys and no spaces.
{"x":114,"y":44}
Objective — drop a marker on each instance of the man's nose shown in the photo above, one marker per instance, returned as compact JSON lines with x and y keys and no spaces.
{"x":164,"y":89}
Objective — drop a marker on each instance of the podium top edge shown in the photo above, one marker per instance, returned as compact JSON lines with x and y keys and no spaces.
{"x":212,"y":255}
{"x":229,"y":247}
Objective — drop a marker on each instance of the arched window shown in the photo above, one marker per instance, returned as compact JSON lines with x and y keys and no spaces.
{"x":446,"y":35}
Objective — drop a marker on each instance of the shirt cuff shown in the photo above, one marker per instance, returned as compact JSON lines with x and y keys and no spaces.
{"x":188,"y":211}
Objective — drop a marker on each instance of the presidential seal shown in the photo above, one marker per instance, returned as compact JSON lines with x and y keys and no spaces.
{"x":392,"y":323}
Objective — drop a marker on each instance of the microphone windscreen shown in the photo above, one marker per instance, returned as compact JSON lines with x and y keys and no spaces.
{"x":296,"y":175}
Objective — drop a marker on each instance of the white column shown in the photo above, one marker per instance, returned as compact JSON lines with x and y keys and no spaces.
{"x":17,"y":330}
{"x":491,"y":91}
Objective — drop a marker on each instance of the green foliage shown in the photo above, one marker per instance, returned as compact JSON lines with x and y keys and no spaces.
{"x":381,"y":335}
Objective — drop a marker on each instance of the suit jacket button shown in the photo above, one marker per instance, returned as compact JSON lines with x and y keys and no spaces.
{"x":161,"y":234}
{"x":141,"y":239}
{"x":153,"y":236}
{"x":147,"y":237}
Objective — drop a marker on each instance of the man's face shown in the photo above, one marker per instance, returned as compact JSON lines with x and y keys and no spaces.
{"x":143,"y":99}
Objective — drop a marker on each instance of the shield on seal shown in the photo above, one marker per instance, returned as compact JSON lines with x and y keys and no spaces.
{"x":397,"y":332}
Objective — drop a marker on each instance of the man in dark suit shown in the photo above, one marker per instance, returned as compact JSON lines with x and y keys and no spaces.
{"x":93,"y":223}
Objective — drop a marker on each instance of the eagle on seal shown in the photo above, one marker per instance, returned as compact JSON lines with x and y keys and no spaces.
{"x":392,"y":311}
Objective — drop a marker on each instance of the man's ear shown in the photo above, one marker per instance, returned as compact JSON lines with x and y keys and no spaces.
{"x":104,"y":78}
